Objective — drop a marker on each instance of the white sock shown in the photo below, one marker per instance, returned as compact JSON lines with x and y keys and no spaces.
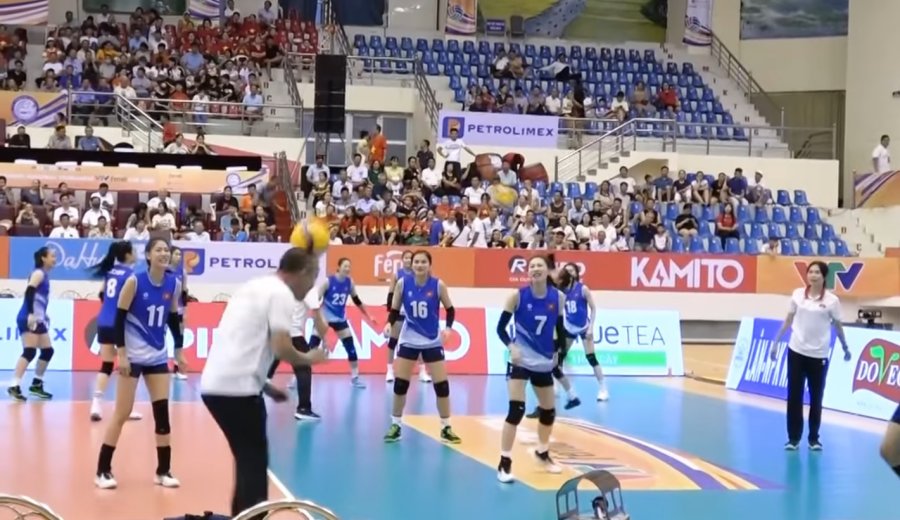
{"x":396,"y":420}
{"x":543,"y":448}
{"x":445,"y":422}
{"x":16,"y":381}
{"x":354,"y":372}
{"x":598,"y":372}
{"x":507,"y":454}
{"x":571,"y":393}
{"x":390,"y":368}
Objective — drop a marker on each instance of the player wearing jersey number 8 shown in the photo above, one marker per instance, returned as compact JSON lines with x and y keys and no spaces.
{"x":420,"y":296}
{"x":540,"y":334}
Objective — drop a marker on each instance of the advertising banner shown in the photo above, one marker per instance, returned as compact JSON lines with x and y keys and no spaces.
{"x":462,"y":17}
{"x":697,"y":22}
{"x":130,"y":179}
{"x":30,"y":108}
{"x":204,"y":262}
{"x":464,"y":351}
{"x":633,"y":343}
{"x":493,"y":129}
{"x":751,"y":369}
{"x":376,"y":265}
{"x":868,"y":384}
{"x":856,"y":278}
{"x":627,"y":271}
{"x":61,"y":333}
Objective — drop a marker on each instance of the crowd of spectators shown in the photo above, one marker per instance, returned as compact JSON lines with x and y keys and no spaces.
{"x":186,"y":71}
{"x":413,"y":202}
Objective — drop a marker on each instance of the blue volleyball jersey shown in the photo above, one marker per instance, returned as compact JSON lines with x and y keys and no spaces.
{"x":145,"y":326}
{"x":41,"y":300}
{"x":535,"y":324}
{"x":334,"y":301}
{"x":402,"y":273}
{"x":421,"y":308}
{"x":112,"y":287}
{"x":576,"y":309}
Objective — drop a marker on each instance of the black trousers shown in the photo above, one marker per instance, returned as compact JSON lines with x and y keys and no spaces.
{"x":303,"y":375}
{"x":802,"y":371}
{"x":243,"y":421}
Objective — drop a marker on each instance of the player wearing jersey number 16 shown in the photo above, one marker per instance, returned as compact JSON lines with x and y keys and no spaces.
{"x":539,"y":339}
{"x":421,"y":295}
{"x":392,"y":330}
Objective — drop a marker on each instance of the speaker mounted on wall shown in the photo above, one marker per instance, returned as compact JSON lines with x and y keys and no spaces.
{"x":329,"y":112}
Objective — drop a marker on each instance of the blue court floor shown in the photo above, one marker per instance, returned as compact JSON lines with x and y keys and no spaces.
{"x":684,"y":450}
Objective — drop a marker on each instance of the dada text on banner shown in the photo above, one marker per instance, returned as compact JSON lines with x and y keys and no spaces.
{"x":130,"y":179}
{"x":492,"y":129}
{"x":855,"y":278}
{"x":205,"y":262}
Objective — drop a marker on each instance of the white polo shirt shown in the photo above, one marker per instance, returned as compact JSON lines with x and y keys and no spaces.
{"x":453,"y":149}
{"x":883,"y":158}
{"x":242,"y":354}
{"x":311,"y":302}
{"x":811,"y":328}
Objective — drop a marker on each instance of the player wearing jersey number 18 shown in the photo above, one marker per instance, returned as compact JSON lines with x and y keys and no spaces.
{"x":148,"y":305}
{"x":115,"y":269}
{"x":421,"y":295}
{"x":539,"y":339}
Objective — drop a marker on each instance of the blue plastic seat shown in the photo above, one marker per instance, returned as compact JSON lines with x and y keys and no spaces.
{"x":796,"y":216}
{"x":840,"y":248}
{"x":715,"y":245}
{"x":778,"y":215}
{"x":800,"y":198}
{"x":732,"y":246}
{"x":805,"y":248}
{"x":751,"y":246}
{"x":783,"y":198}
{"x":823,"y":248}
{"x":828,"y":232}
{"x":698,"y":245}
{"x":811,"y":232}
{"x":812,"y":216}
{"x":787,"y":247}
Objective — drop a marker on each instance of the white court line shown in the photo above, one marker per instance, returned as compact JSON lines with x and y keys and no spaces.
{"x":279,"y":485}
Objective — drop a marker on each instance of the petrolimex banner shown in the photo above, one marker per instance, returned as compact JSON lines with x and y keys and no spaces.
{"x":628,"y":343}
{"x":868,"y":384}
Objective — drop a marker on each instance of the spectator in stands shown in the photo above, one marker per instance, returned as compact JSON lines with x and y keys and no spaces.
{"x":200,"y":147}
{"x":26,"y":216}
{"x":772,"y":247}
{"x":500,"y":67}
{"x":262,"y":234}
{"x":197,"y":233}
{"x":560,"y":69}
{"x":138,"y":232}
{"x":162,"y":196}
{"x":757,"y":192}
{"x":662,"y":242}
{"x":163,"y":220}
{"x":101,"y":230}
{"x":140,"y":213}
{"x":719,"y":191}
{"x":667,"y":99}
{"x":6,"y":194}
{"x":682,"y":188}
{"x":94,"y":213}
{"x":65,"y":208}
{"x":727,"y":224}
{"x":89,"y":142}
{"x":377,"y":146}
{"x":63,"y":228}
{"x":686,"y":224}
{"x":737,"y":186}
{"x":702,"y":192}
{"x":645,"y":222}
{"x":665,"y":186}
{"x":553,"y":103}
{"x":177,"y":146}
{"x":881,"y":157}
{"x":424,"y":153}
{"x":618,"y":110}
{"x":451,"y":185}
{"x":225,"y":200}
{"x":33,"y":194}
{"x":618,"y":181}
{"x":20,"y":139}
{"x":59,"y":140}
{"x":261,"y":216}
{"x":640,"y":100}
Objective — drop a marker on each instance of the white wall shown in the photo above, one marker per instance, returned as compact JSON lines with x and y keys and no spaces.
{"x":365,"y":98}
{"x":872,"y":74}
{"x":789,"y":65}
{"x":419,"y":15}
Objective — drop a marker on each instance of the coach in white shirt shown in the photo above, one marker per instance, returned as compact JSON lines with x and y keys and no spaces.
{"x":255,"y":327}
{"x":881,"y":156}
{"x":813,"y":313}
{"x":358,"y":171}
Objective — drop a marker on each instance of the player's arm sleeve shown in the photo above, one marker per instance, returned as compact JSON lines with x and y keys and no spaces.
{"x":126,"y":297}
{"x":33,"y":281}
{"x":396,"y":302}
{"x":560,"y":339}
{"x":447,"y":303}
{"x":505,"y":317}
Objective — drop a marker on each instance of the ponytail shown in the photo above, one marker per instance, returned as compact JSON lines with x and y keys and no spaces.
{"x":118,"y":252}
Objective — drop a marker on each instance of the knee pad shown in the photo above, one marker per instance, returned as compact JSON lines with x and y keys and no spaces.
{"x":558,"y":373}
{"x":401,"y":386}
{"x":516,"y":412}
{"x":46,"y":354}
{"x":161,"y":417}
{"x":442,"y":389}
{"x":592,"y":360}
{"x":29,"y":353}
{"x":546,"y":416}
{"x":350,"y":347}
{"x":107,"y":367}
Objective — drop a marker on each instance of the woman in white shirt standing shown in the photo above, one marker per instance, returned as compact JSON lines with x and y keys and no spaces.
{"x":813,"y":313}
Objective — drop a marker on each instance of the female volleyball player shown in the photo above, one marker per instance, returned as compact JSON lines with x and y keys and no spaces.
{"x":394,"y":329}
{"x":581,"y":317}
{"x":813,"y":313}
{"x":255,"y":327}
{"x":34,"y":326}
{"x":421,"y":295}
{"x":177,"y":268}
{"x":148,"y":302}
{"x":115,"y":269}
{"x":335,"y":291}
{"x":539,"y":313}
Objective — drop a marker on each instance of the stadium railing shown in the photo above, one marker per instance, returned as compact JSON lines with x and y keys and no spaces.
{"x":306,"y":509}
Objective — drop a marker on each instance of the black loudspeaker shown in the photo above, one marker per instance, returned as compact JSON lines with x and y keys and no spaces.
{"x":331,"y":94}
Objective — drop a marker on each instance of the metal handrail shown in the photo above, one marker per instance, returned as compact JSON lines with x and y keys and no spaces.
{"x":35,"y":508}
{"x":736,"y":70}
{"x":286,"y":177}
{"x":294,"y":92}
{"x":140,"y":121}
{"x":304,"y":507}
{"x":593,"y":154}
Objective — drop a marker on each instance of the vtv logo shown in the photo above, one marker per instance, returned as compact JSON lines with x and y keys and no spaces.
{"x":841,"y":275}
